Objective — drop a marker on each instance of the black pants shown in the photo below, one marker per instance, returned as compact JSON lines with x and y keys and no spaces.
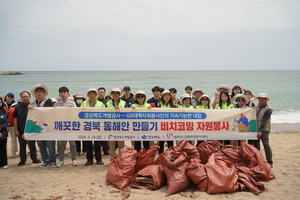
{"x":161,"y":145}
{"x":137,"y":145}
{"x":32,"y":148}
{"x":3,"y":152}
{"x":78,"y":146}
{"x":105,"y":146}
{"x":89,"y":150}
{"x":265,"y":140}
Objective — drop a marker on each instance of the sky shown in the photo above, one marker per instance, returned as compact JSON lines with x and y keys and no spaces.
{"x":42,"y":35}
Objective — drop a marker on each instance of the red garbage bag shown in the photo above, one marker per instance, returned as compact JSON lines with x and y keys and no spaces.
{"x":151,"y":177}
{"x":207,"y":148}
{"x":256,"y":162}
{"x":174,"y":164}
{"x":232,"y":153}
{"x":247,"y":178}
{"x":196,"y":172}
{"x":222,"y":176}
{"x":145,"y":158}
{"x":121,"y":169}
{"x":190,"y":150}
{"x":159,"y":159}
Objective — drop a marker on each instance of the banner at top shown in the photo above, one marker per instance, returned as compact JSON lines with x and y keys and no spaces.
{"x":140,"y":124}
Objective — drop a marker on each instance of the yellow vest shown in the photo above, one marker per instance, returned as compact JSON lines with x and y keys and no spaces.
{"x":98,"y":104}
{"x":164,"y":105}
{"x":121,"y":104}
{"x":203,"y":107}
{"x":224,"y":106}
{"x":189,"y":106}
{"x":141,"y":106}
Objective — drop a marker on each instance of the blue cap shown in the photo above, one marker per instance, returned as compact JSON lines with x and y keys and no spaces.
{"x":11,"y":95}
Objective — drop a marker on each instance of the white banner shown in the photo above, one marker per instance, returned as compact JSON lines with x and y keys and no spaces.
{"x":140,"y":124}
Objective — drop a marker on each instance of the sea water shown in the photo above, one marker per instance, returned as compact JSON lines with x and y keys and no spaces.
{"x":281,"y":86}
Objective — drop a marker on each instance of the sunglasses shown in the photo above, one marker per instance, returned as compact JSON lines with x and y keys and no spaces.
{"x":241,"y":100}
{"x":139,"y":96}
{"x":204,"y":99}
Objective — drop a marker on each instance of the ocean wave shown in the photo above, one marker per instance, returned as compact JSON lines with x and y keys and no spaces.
{"x":286,"y":116}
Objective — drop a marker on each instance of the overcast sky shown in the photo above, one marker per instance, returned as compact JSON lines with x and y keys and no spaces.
{"x":149,"y":35}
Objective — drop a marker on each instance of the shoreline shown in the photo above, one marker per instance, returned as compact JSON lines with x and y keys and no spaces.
{"x":285,"y":128}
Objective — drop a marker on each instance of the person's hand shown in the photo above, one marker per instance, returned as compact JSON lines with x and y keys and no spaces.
{"x":149,"y":107}
{"x":1,"y":135}
{"x":259,"y":134}
{"x":23,"y":137}
{"x":29,"y":106}
{"x":117,"y":107}
{"x":176,"y":105}
{"x":17,"y":133}
{"x":132,"y":107}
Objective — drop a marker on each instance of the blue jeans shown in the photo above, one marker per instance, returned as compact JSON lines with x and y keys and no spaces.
{"x":47,"y":150}
{"x":61,"y":150}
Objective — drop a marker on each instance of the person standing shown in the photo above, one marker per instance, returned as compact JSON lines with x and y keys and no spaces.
{"x":65,"y":101}
{"x":20,"y":116}
{"x":116,"y":103}
{"x":93,"y":102}
{"x":219,"y":89}
{"x":197,"y":94}
{"x":154,"y":101}
{"x":140,"y":102}
{"x":101,"y":97}
{"x":9,"y":106}
{"x":3,"y":135}
{"x":79,"y":99}
{"x":127,"y":97}
{"x":47,"y":147}
{"x":263,"y":116}
{"x":165,"y":102}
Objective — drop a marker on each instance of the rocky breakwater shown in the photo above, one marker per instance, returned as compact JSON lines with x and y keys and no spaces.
{"x":10,"y":73}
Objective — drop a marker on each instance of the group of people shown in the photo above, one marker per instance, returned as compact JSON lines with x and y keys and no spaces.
{"x":13,"y":118}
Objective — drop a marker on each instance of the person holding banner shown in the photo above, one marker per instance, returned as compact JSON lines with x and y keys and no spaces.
{"x":47,"y":147}
{"x":204,"y":104}
{"x":116,"y":103}
{"x":186,"y":101}
{"x":93,"y":102}
{"x":263,"y":114}
{"x":140,"y":102}
{"x":154,"y":101}
{"x":20,"y":116}
{"x":165,"y":102}
{"x":224,"y":103}
{"x":65,"y":101}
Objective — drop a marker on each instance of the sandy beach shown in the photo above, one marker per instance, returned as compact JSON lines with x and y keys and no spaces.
{"x":89,"y":182}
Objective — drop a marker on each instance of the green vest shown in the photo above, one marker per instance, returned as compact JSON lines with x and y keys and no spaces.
{"x":189,"y":106}
{"x":164,"y":105}
{"x":203,"y":107}
{"x":224,"y":106}
{"x":141,"y":106}
{"x":110,"y":104}
{"x":98,"y":104}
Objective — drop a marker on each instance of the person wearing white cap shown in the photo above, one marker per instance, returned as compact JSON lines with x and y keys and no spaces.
{"x":263,"y":116}
{"x":47,"y":147}
{"x":197,"y":94}
{"x":186,"y":101}
{"x":217,"y":94}
{"x":241,"y":101}
{"x":116,"y":103}
{"x":204,"y":102}
{"x":93,"y":102}
{"x":140,"y":102}
{"x":165,"y":102}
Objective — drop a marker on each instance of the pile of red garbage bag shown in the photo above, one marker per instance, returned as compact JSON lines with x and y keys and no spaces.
{"x":212,"y":169}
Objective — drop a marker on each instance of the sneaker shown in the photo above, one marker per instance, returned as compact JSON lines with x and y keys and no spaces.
{"x":100,"y":162}
{"x":59,"y":164}
{"x":74,"y":162}
{"x":21,"y":163}
{"x":106,"y":153}
{"x":4,"y":167}
{"x":36,"y":161}
{"x":53,"y":165}
{"x":88,"y":163}
{"x":44,"y":164}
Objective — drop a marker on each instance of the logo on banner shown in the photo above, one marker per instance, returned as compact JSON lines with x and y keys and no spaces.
{"x":169,"y":135}
{"x":144,"y":137}
{"x":110,"y":136}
